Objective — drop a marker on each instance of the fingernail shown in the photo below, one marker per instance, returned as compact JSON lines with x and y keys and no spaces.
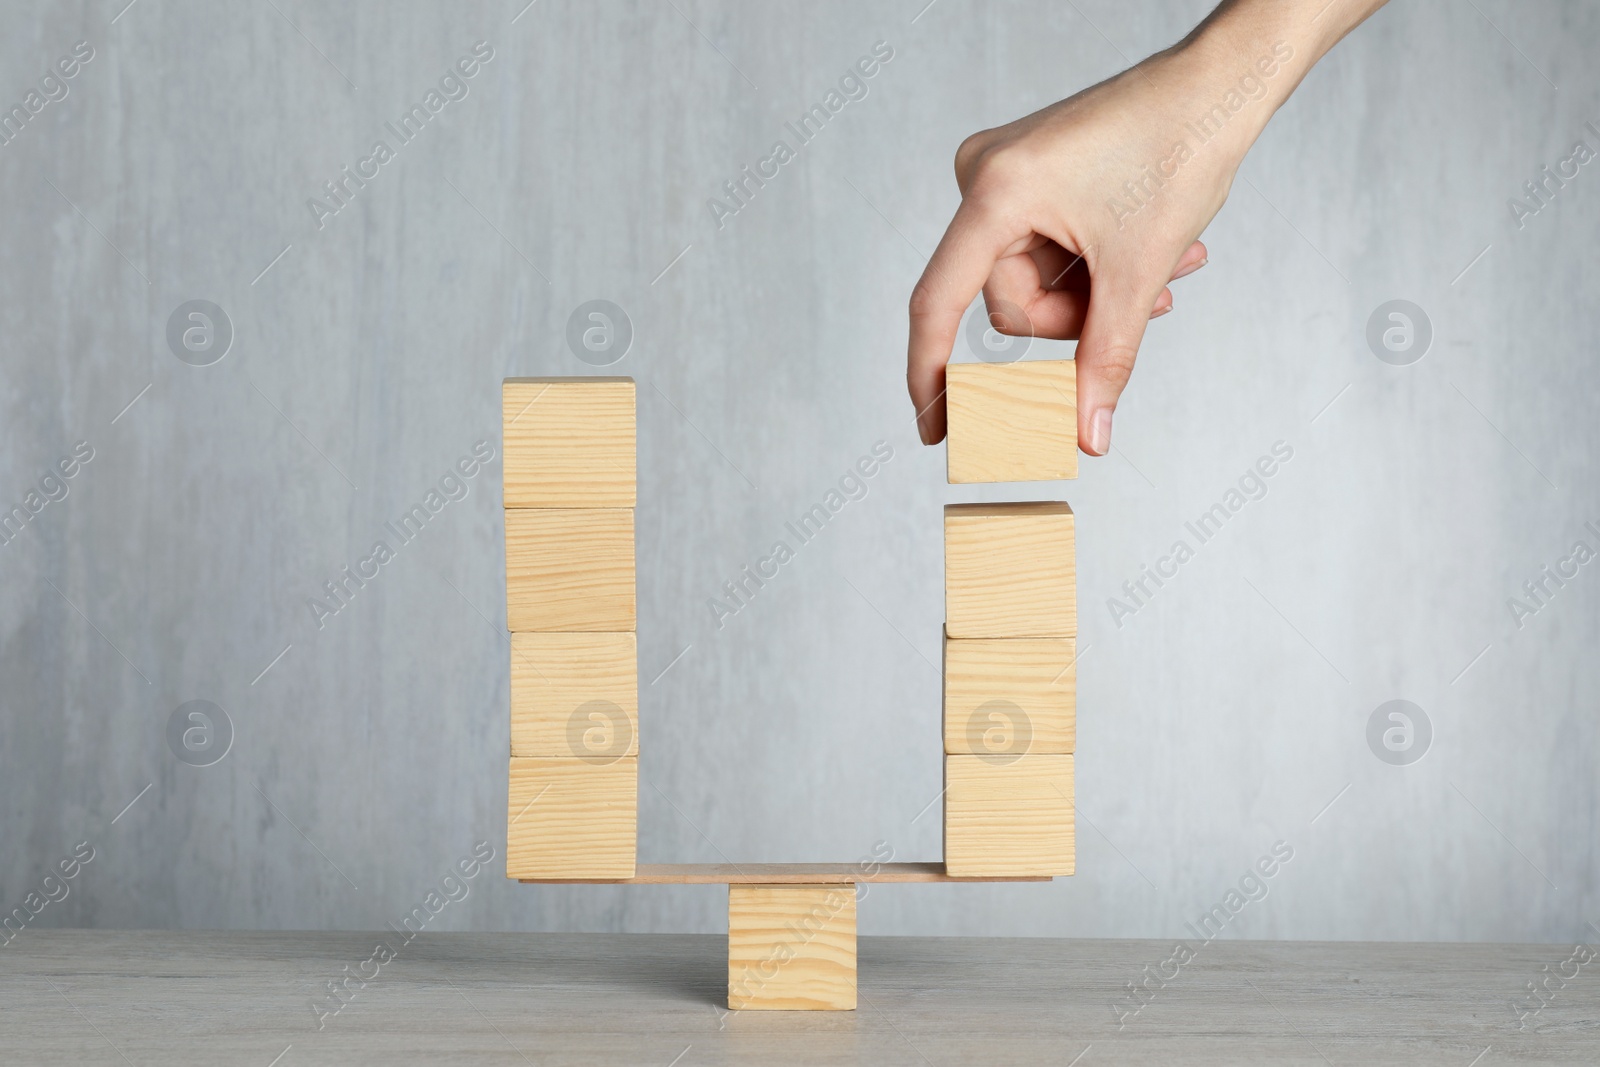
{"x":1190,"y":269}
{"x":922,"y":431}
{"x":1160,"y":312}
{"x":1100,"y":432}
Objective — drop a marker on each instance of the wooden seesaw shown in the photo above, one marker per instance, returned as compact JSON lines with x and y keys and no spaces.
{"x":570,"y":457}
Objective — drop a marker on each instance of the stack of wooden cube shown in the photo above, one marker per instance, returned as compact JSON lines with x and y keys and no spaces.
{"x":570,"y":490}
{"x":1011,"y":624}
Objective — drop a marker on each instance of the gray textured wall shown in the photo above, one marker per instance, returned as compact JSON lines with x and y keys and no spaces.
{"x":1227,"y":713}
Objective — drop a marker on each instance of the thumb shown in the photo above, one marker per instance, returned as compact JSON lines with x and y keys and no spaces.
{"x":1119,"y":307}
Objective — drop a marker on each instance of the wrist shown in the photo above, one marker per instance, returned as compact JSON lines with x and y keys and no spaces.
{"x":1240,"y":31}
{"x":1228,"y":88}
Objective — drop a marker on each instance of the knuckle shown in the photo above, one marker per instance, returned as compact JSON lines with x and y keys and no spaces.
{"x":1002,"y":164}
{"x":1114,"y":361}
{"x":924,"y":301}
{"x":1006,"y":317}
{"x":968,"y":152}
{"x":988,"y":160}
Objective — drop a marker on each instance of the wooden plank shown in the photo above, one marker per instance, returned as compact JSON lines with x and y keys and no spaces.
{"x":1009,"y":570}
{"x":575,"y":694}
{"x":791,"y":948}
{"x":1010,"y":695}
{"x":570,"y":569}
{"x":1006,"y":817}
{"x":1012,"y":422}
{"x":569,"y":818}
{"x":786,"y":874}
{"x":569,"y":442}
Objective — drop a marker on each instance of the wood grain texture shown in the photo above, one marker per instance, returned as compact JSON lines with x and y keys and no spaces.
{"x":570,"y":569}
{"x":192,"y":998}
{"x":574,"y":694}
{"x":1010,"y":695}
{"x":1012,"y":422}
{"x":1008,"y":816}
{"x":1010,"y":570}
{"x":786,"y":874}
{"x":570,"y":818}
{"x":569,"y":442}
{"x":791,"y":948}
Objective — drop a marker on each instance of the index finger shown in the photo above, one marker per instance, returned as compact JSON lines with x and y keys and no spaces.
{"x":960,"y":265}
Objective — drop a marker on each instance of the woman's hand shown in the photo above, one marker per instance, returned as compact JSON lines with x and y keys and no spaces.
{"x":1074,"y":219}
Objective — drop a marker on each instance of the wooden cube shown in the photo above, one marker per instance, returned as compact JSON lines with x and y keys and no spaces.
{"x":569,"y":569}
{"x":569,"y":818}
{"x":1012,"y":422}
{"x":569,"y":442}
{"x":575,"y":694}
{"x":1010,"y":695}
{"x":792,"y":947}
{"x":1008,"y":818}
{"x":1009,"y":570}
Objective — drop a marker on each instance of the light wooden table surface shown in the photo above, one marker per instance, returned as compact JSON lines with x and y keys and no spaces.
{"x":155,"y":997}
